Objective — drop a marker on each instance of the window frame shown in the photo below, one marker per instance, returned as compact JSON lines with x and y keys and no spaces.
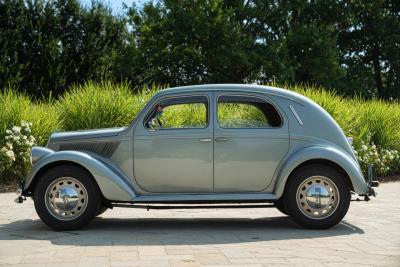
{"x":157,"y":102}
{"x":267,"y":101}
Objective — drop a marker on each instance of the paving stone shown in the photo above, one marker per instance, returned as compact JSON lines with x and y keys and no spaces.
{"x":211,"y":258}
{"x":369,"y":235}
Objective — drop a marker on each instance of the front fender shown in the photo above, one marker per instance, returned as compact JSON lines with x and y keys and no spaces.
{"x":112,"y":183}
{"x":335,"y":155}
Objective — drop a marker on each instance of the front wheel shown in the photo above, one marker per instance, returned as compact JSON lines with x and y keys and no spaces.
{"x":101,"y":210}
{"x":317,"y":196}
{"x":66,"y":197}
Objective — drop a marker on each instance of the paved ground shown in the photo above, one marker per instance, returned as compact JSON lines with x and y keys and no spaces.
{"x":369,"y":235}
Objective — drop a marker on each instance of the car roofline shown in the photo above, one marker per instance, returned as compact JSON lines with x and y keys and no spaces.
{"x":249,"y":88}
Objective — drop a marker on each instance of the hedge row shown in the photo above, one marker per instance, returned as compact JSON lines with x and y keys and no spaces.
{"x":101,"y":105}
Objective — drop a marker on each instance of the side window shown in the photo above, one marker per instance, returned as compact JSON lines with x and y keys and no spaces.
{"x":179,"y":113}
{"x":246,"y":112}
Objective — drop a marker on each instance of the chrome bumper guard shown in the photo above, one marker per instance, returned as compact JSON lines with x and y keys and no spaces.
{"x":371,"y":183}
{"x":20,"y":194}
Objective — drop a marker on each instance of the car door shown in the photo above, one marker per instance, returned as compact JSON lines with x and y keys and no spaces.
{"x":250,"y":139}
{"x":173,"y":148}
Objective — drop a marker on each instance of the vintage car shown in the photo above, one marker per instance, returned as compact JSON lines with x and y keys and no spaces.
{"x":208,"y":146}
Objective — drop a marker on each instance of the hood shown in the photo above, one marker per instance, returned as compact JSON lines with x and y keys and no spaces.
{"x":86,"y":134}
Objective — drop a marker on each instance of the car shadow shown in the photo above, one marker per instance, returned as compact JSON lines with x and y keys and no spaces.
{"x":171,"y":231}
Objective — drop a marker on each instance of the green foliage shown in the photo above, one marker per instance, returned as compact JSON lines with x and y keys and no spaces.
{"x":99,"y":105}
{"x":44,"y":118}
{"x":48,"y":45}
{"x":18,"y":107}
{"x":185,"y":116}
{"x":235,"y":115}
{"x":96,"y":106}
{"x":13,"y":107}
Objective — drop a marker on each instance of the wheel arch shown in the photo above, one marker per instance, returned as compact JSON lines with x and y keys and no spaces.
{"x":47,"y":167}
{"x":328,"y":156}
{"x":111,"y":182}
{"x":325,"y":162}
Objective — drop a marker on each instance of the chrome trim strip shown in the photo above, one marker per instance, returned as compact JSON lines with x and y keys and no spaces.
{"x":296,"y":115}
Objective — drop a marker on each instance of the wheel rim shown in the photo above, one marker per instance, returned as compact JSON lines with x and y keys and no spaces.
{"x":66,"y":198}
{"x":317,"y":197}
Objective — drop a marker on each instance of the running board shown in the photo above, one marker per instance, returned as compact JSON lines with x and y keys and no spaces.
{"x":205,"y":198}
{"x":190,"y":206}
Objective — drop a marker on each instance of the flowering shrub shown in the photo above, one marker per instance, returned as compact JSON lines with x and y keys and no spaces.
{"x":383,"y":160}
{"x":15,"y":155}
{"x":7,"y":157}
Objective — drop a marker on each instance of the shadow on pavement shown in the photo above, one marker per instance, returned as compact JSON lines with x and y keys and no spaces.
{"x":171,"y":231}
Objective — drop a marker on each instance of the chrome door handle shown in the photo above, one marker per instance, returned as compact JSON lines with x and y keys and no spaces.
{"x":205,"y":140}
{"x":221,"y":139}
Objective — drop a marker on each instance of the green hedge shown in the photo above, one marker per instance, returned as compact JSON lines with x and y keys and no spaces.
{"x":100,"y":105}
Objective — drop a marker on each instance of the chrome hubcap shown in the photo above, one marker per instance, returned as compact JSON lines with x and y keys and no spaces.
{"x":66,"y":198}
{"x":317,"y":197}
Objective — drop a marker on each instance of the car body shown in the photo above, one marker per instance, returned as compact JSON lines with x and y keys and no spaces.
{"x":237,"y":144}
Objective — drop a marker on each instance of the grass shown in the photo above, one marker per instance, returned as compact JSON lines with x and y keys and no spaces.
{"x":104,"y":104}
{"x":101,"y":105}
{"x":373,"y":120}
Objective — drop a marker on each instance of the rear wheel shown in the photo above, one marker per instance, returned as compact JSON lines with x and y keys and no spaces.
{"x":317,"y":196}
{"x":66,"y":197}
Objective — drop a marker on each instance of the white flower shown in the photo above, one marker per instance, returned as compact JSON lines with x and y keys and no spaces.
{"x":8,"y":132}
{"x":364,"y":147}
{"x":16,"y":129}
{"x":9,"y":146}
{"x":11,"y":155}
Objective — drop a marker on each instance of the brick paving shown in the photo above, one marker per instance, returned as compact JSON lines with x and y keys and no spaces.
{"x":368,"y":236}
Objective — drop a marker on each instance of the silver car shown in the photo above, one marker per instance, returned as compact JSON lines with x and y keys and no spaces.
{"x":203,"y":146}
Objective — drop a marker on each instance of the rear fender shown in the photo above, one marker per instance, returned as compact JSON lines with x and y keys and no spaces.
{"x":332,"y":154}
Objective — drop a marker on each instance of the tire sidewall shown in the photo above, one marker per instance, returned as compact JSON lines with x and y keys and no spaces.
{"x":83,"y":176}
{"x":298,"y":177}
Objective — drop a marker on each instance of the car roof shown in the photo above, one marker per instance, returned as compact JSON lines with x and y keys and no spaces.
{"x":239,"y":88}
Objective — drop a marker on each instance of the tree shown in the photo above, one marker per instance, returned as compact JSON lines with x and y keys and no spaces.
{"x":370,"y":44}
{"x":46,"y":46}
{"x":181,"y":42}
